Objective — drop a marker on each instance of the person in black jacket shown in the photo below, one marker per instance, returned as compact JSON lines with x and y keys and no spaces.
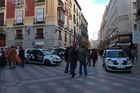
{"x":21,"y":56}
{"x":94,"y":56}
{"x":73,"y":57}
{"x":66,"y":55}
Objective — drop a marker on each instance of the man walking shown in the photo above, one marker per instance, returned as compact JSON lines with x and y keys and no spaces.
{"x":73,"y":57}
{"x":67,"y":59}
{"x":82,"y":54}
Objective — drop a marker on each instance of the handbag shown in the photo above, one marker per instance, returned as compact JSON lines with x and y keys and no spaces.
{"x":18,"y":60}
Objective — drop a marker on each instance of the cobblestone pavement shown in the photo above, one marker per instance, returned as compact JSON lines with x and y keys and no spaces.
{"x":52,"y":79}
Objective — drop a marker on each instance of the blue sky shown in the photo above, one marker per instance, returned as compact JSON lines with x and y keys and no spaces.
{"x":100,"y":1}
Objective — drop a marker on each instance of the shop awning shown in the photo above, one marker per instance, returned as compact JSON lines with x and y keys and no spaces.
{"x":121,"y":44}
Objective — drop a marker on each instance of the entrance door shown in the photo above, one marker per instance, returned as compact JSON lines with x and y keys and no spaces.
{"x":2,"y":40}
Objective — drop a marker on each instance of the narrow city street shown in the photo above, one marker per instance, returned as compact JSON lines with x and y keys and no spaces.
{"x":52,"y":79}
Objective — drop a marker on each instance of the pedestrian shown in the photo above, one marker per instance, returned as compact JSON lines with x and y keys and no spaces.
{"x":133,"y":55}
{"x":21,"y":55}
{"x":101,"y":52}
{"x":82,"y":55}
{"x":2,"y":63}
{"x":94,"y":56}
{"x":73,"y":57}
{"x":66,"y":55}
{"x":88,"y":59}
{"x":12,"y":57}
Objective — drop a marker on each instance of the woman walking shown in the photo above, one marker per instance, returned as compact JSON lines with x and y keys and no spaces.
{"x":94,"y":56}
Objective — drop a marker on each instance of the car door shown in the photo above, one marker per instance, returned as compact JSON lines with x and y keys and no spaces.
{"x":30,"y":55}
{"x":38,"y":56}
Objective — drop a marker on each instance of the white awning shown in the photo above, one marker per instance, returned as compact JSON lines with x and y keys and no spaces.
{"x":123,"y":44}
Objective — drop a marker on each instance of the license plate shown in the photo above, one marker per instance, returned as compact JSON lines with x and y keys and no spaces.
{"x":120,"y":67}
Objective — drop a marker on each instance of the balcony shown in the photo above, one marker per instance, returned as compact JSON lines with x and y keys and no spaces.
{"x":39,"y":20}
{"x":39,"y":37}
{"x":19,"y":3}
{"x":38,"y":2}
{"x":18,"y":22}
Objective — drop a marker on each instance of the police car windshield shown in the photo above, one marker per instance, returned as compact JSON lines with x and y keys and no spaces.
{"x":47,"y":52}
{"x":115,"y":54}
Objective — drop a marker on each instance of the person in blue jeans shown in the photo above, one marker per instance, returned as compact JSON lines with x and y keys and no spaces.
{"x":82,"y":54}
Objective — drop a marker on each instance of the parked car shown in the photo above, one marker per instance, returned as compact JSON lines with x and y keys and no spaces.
{"x":41,"y":56}
{"x":116,"y":60}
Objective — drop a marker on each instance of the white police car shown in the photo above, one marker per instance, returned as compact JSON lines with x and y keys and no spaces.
{"x":41,"y":56}
{"x":116,"y":60}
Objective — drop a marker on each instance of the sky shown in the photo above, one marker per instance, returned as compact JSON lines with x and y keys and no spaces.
{"x":93,"y":11}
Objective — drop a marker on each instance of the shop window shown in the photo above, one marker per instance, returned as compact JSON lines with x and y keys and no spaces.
{"x":39,"y":33}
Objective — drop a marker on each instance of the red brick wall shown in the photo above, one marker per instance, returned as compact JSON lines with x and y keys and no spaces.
{"x":10,"y":12}
{"x":30,"y":8}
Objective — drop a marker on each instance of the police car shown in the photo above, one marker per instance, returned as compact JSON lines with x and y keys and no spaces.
{"x":41,"y":56}
{"x":116,"y":60}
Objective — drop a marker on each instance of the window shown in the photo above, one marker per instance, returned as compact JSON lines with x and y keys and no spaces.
{"x":134,"y":5}
{"x":1,"y":19}
{"x":39,"y":33}
{"x":19,"y":34}
{"x":135,"y":26}
{"x":65,"y":37}
{"x":19,"y":2}
{"x":19,"y":17}
{"x":59,"y":36}
{"x":40,"y":15}
{"x":2,"y":3}
{"x":74,"y":18}
{"x":69,"y":39}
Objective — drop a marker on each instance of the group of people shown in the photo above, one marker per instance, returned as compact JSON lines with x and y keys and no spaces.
{"x":81,"y":55}
{"x":12,"y":56}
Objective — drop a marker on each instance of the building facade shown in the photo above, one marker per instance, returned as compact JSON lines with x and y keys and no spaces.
{"x":2,"y":23}
{"x":121,"y":22}
{"x":84,"y":31}
{"x":103,"y":32}
{"x":41,"y":23}
{"x":137,"y":32}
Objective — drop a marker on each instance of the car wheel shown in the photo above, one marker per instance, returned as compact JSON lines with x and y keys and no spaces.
{"x":47,"y":62}
{"x":105,"y":67}
{"x":103,"y":64}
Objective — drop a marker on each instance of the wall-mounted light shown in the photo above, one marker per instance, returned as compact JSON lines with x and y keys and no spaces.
{"x":27,"y":30}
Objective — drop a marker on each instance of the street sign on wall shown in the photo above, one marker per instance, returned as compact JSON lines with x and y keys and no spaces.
{"x":136,"y":37}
